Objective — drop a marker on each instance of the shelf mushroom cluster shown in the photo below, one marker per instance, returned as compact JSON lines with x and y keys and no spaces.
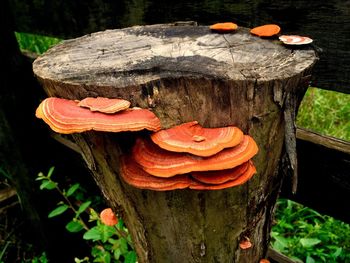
{"x":190,"y":156}
{"x":99,"y":114}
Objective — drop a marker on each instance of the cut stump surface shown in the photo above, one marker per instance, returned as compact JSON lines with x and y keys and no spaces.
{"x":188,"y":73}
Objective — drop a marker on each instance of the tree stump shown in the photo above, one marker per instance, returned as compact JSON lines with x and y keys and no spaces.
{"x":185,"y":73}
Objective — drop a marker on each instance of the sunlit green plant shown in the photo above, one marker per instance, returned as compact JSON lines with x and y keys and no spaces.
{"x":35,"y":43}
{"x":326,"y":112}
{"x":307,"y":236}
{"x":108,"y":243}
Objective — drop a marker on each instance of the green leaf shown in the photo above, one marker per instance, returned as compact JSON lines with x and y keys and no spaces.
{"x":74,"y":226}
{"x":92,"y":234}
{"x":83,"y":207}
{"x":106,"y":232}
{"x":49,"y":185}
{"x":309,"y":259}
{"x":58,"y":210}
{"x":40,"y":176}
{"x":50,"y":171}
{"x":337,"y":252}
{"x":130,"y":257}
{"x":309,"y":242}
{"x":117,"y":253}
{"x":72,"y":189}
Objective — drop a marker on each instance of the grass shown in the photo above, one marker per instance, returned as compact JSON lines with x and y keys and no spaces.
{"x":300,"y":232}
{"x":35,"y":43}
{"x":326,"y":112}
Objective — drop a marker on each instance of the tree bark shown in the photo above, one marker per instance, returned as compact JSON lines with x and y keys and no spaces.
{"x":185,"y":73}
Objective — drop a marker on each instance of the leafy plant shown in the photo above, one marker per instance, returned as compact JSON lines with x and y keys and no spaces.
{"x":307,"y":236}
{"x":108,"y":243}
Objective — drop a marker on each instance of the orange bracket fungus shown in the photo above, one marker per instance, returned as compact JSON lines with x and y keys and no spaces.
{"x":192,"y":138}
{"x":108,"y":217}
{"x":266,"y":30}
{"x":134,"y":175}
{"x":221,"y":176}
{"x":159,"y":162}
{"x":295,"y":40}
{"x":224,"y":27}
{"x":65,"y":116}
{"x":104,"y":105}
{"x":231,"y":183}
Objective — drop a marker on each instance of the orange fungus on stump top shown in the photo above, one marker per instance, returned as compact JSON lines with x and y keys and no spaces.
{"x":105,"y":105}
{"x":192,"y":138}
{"x":108,"y":217}
{"x":224,"y":27}
{"x":266,"y":30}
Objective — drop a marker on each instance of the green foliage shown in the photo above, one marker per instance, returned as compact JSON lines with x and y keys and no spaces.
{"x":35,"y":43}
{"x":108,"y":243}
{"x":326,"y":112}
{"x":307,"y":236}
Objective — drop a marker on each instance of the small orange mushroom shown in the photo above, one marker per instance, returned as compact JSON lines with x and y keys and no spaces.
{"x":104,"y":105}
{"x":245,"y":243}
{"x":266,"y":30}
{"x":225,"y":27}
{"x":108,"y":217}
{"x":65,"y":116}
{"x":264,"y":260}
{"x":221,"y":176}
{"x":159,"y":162}
{"x":192,"y":138}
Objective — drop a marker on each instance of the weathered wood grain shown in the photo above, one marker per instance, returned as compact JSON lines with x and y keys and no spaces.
{"x":185,"y":73}
{"x":328,"y":23}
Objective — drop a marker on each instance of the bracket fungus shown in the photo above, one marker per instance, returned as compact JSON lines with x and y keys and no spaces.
{"x":231,"y":183}
{"x":163,"y":163}
{"x":65,"y":116}
{"x":190,"y":156}
{"x":134,"y":175}
{"x":104,"y":105}
{"x":266,"y":30}
{"x":192,"y":138}
{"x":221,"y":176}
{"x":225,"y":27}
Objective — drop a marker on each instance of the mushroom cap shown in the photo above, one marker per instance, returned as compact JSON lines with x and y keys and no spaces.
{"x":65,"y":116}
{"x":134,"y":175}
{"x":266,"y":30}
{"x":108,"y":217}
{"x":245,"y":244}
{"x":295,"y":40}
{"x":192,"y":138}
{"x":221,"y":176}
{"x":238,"y":181}
{"x":105,"y":105}
{"x":224,"y":27}
{"x":159,"y":162}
